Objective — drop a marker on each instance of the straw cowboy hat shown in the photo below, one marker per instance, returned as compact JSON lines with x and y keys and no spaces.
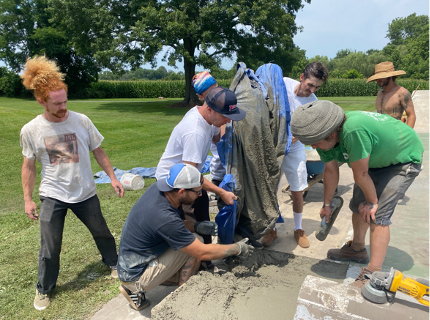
{"x":385,"y":70}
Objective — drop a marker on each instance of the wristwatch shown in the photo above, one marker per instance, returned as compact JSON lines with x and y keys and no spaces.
{"x":326,"y":205}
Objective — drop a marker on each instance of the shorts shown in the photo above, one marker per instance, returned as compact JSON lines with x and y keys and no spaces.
{"x":165,"y":267}
{"x":294,"y":167}
{"x":391,"y":184}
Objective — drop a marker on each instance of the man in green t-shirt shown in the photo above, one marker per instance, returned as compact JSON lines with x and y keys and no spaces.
{"x":385,"y":157}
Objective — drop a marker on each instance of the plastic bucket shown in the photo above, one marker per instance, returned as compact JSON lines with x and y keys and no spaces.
{"x":132,"y":181}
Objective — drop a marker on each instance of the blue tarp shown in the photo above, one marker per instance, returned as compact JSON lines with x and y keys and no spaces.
{"x":102,"y":177}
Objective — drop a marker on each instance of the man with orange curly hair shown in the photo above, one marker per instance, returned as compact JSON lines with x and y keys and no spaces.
{"x":61,"y":140}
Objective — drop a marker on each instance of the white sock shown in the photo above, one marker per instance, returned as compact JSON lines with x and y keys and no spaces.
{"x":297,"y":220}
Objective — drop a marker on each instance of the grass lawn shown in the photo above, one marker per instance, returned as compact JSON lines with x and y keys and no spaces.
{"x":135,"y":134}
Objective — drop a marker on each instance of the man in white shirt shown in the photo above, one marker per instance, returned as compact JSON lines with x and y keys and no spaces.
{"x":202,"y":83}
{"x":61,"y":140}
{"x":294,"y":163}
{"x":191,"y":139}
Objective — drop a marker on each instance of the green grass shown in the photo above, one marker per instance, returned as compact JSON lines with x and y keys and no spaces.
{"x":135,"y":134}
{"x":353,"y":103}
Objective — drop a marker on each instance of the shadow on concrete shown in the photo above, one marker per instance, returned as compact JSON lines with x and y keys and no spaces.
{"x":403,"y":201}
{"x":309,"y":225}
{"x":316,"y":192}
{"x":398,"y":259}
{"x":330,"y":270}
{"x":412,"y":305}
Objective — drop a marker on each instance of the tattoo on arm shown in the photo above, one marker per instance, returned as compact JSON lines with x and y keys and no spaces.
{"x":370,"y":204}
{"x":407,"y":99}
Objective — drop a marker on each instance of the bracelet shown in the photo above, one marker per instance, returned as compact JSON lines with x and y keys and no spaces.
{"x":326,"y":205}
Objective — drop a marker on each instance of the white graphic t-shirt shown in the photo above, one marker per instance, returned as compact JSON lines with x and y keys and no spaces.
{"x":190,"y":141}
{"x":63,"y":150}
{"x":295,"y":102}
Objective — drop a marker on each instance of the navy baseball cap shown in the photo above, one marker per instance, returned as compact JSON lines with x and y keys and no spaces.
{"x":223,"y":100}
{"x":181,"y":176}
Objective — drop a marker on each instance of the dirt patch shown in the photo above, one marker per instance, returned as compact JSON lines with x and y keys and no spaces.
{"x":264,"y":286}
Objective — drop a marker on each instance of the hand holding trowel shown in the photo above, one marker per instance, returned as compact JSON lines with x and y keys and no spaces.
{"x":327,"y":222}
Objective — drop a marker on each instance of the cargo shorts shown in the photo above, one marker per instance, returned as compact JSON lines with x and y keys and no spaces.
{"x":391,"y":184}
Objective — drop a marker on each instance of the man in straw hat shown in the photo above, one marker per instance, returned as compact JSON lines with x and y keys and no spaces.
{"x":383,"y":169}
{"x":392,"y":99}
{"x":61,"y":140}
{"x":158,"y":247}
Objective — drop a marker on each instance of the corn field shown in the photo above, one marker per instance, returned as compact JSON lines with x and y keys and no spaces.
{"x":176,"y":89}
{"x":359,"y":87}
{"x":141,"y":89}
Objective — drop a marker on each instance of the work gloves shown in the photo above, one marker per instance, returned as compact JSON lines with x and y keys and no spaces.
{"x":245,"y":249}
{"x":206,"y":227}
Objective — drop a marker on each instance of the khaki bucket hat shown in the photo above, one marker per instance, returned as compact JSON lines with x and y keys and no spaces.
{"x":385,"y":70}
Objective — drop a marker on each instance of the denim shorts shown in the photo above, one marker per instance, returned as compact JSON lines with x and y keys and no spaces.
{"x":391,"y":184}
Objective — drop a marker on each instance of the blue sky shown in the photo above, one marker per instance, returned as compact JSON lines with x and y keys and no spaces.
{"x":332,"y":25}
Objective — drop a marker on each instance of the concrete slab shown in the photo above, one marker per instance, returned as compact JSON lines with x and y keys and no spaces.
{"x":118,"y":307}
{"x":321,"y":299}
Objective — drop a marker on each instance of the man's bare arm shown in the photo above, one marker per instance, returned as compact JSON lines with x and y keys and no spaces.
{"x":368,"y":208}
{"x":408,"y":106}
{"x":205,"y":252}
{"x":227,"y":197}
{"x":104,"y":162}
{"x":330,"y":180}
{"x":28,"y":178}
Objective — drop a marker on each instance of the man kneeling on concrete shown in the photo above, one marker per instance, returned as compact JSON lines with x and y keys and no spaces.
{"x":158,"y":247}
{"x":385,"y":157}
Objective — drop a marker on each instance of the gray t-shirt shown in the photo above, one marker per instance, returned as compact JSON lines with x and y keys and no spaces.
{"x":296,"y":101}
{"x":152,"y":226}
{"x":63,"y":150}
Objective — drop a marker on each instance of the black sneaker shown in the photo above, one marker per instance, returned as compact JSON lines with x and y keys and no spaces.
{"x":136,"y":300}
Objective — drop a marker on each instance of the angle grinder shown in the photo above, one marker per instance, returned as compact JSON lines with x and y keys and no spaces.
{"x":382,"y":287}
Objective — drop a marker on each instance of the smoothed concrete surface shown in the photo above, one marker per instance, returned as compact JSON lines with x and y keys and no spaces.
{"x":322,"y":299}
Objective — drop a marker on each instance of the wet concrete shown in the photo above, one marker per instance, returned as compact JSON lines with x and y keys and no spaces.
{"x":252,"y":291}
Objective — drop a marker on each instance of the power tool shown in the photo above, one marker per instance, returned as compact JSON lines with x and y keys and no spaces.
{"x":382,"y":287}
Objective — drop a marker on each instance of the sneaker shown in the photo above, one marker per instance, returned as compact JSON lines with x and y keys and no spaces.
{"x":41,"y":301}
{"x":267,"y":240}
{"x":136,"y":300}
{"x":301,"y":238}
{"x":113,"y":272}
{"x":346,"y":253}
{"x":362,"y":278}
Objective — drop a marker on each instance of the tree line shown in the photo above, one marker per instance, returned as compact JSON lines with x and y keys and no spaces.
{"x":86,"y":37}
{"x":408,"y":49}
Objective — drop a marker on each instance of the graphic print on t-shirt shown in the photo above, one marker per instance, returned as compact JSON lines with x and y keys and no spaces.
{"x":62,"y":148}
